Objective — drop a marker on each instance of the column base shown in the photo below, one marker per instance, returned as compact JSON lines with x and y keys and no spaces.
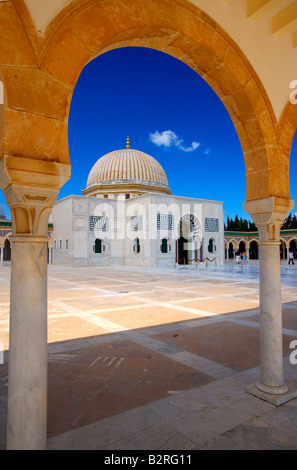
{"x":277,"y":390}
{"x":274,"y":395}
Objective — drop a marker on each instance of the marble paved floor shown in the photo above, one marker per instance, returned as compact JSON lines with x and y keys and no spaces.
{"x":158,"y":359}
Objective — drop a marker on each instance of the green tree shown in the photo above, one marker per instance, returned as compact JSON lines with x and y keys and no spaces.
{"x":252,"y":227}
{"x":294,"y":221}
{"x":240,"y":225}
{"x":290,"y":222}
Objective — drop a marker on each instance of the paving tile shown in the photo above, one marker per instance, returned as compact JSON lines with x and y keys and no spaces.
{"x":142,"y":317}
{"x":132,"y":364}
{"x":70,"y":327}
{"x":94,"y":383}
{"x":233,"y":345}
{"x":222,"y":305}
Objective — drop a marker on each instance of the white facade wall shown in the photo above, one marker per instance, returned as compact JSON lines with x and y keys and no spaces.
{"x":118,"y":223}
{"x":62,"y":219}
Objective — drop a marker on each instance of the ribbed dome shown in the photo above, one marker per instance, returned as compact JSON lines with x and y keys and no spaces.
{"x":128,"y":166}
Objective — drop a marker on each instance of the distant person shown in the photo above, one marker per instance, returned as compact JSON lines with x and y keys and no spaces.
{"x":238,"y":257}
{"x":244,"y":256}
{"x":291,"y":257}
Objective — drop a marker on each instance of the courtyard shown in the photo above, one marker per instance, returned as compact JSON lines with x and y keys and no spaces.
{"x":158,"y":359}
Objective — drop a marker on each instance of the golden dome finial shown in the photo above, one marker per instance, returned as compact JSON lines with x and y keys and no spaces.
{"x":128,"y":143}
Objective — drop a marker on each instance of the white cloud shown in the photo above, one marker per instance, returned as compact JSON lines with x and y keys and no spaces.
{"x":207,"y":151}
{"x":193,"y":147}
{"x":169,"y":139}
{"x":166,"y":138}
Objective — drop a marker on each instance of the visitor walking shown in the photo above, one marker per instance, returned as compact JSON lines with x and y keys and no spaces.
{"x":291,"y":257}
{"x":238,"y":257}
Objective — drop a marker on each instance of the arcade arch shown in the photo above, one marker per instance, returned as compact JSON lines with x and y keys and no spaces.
{"x":39,"y":72}
{"x":292,"y":245}
{"x":242,"y":245}
{"x":232,"y":247}
{"x":254,"y":249}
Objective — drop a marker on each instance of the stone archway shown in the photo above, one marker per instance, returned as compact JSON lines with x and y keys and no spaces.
{"x":39,"y":72}
{"x":44,"y":84}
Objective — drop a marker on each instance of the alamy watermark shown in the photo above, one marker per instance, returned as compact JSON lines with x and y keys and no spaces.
{"x":152,"y":221}
{"x":293,"y":95}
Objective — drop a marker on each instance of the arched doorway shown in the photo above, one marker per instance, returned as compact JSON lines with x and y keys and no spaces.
{"x":254,"y":250}
{"x":164,"y":245}
{"x":99,"y":246}
{"x":231,"y":250}
{"x":242,"y":246}
{"x":7,"y":250}
{"x":182,"y":242}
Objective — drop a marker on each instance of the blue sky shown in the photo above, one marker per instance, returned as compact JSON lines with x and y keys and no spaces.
{"x":169,"y":112}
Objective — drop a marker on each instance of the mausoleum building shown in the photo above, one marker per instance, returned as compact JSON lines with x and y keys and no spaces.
{"x":128,"y":216}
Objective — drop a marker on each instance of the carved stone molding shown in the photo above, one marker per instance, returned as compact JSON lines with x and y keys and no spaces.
{"x":30,"y":209}
{"x":31,"y":188}
{"x":269,"y":215}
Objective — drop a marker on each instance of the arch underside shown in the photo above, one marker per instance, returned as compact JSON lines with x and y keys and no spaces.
{"x":39,"y":80}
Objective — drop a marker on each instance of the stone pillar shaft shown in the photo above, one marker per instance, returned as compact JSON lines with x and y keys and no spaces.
{"x":30,"y":187}
{"x":27,"y":393}
{"x":271,"y":347}
{"x":269,"y":214}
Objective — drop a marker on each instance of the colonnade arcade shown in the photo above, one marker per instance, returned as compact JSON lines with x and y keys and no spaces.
{"x":40,"y":61}
{"x":249,"y":243}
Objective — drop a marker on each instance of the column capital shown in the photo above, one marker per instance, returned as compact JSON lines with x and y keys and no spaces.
{"x":31,"y":188}
{"x":269,"y":215}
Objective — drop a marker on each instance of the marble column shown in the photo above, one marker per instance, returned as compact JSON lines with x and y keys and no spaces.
{"x":272,"y":380}
{"x":27,"y":391}
{"x":30,"y":188}
{"x":269,"y":214}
